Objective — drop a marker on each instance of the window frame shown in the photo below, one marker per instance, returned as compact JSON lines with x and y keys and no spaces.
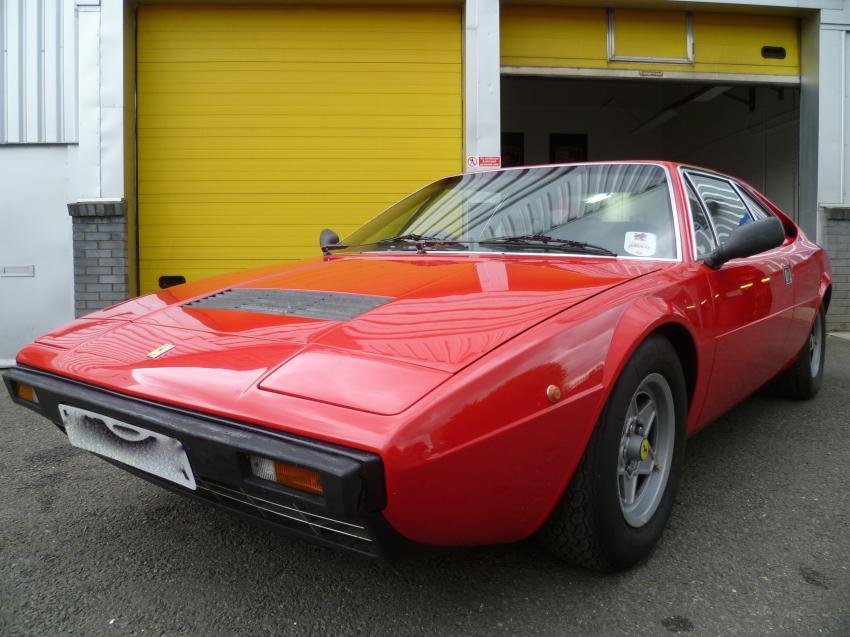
{"x":689,"y":187}
{"x":686,"y":173}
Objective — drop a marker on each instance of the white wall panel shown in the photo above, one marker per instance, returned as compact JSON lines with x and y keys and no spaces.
{"x":481,"y":70}
{"x":37,"y":66}
{"x":35,"y":245}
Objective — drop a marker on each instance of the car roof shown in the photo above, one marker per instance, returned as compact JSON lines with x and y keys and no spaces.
{"x":656,"y":162}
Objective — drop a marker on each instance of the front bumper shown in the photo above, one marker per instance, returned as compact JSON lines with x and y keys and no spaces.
{"x":346,"y":516}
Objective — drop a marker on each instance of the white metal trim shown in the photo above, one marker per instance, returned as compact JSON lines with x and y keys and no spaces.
{"x":482,"y":134}
{"x":651,"y":74}
{"x":4,"y":72}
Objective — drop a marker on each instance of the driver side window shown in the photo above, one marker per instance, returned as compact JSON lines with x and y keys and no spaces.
{"x":724,"y":205}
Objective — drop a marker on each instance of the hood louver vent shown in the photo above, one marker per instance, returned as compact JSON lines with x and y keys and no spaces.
{"x":334,"y":306}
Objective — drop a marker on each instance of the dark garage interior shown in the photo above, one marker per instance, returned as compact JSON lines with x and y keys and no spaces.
{"x":751,"y":131}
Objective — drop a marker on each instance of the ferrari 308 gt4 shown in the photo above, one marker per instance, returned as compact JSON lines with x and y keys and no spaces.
{"x":499,"y":355}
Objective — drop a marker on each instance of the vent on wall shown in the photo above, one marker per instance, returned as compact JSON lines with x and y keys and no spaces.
{"x":773,"y":52}
{"x":334,"y":306}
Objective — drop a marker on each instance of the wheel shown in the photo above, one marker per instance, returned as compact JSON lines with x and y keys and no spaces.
{"x":614,"y":509}
{"x":803,"y":378}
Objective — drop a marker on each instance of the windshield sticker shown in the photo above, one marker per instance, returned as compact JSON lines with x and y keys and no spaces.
{"x":640,"y":244}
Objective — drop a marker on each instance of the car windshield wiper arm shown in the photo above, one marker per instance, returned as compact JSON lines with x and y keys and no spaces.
{"x":546,"y":241}
{"x":419,"y":240}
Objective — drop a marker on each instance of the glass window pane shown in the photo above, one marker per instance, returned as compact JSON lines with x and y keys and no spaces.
{"x":756,"y":208}
{"x":624,"y":208}
{"x":724,"y":205}
{"x":703,"y":236}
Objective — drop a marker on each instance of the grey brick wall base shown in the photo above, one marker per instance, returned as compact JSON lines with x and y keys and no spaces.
{"x":100,"y":254}
{"x":836,"y":238}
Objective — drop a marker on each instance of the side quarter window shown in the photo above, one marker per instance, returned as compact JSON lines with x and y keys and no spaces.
{"x":704,"y":241}
{"x":724,"y":205}
{"x":756,"y":208}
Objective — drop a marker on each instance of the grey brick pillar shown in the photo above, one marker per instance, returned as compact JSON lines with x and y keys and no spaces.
{"x":100,"y":254}
{"x":836,"y":239}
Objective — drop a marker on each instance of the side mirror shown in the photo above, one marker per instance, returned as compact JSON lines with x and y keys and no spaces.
{"x":328,"y":238}
{"x":745,"y":241}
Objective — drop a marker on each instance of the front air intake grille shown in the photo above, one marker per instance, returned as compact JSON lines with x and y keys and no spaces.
{"x":294,"y":515}
{"x":334,"y":306}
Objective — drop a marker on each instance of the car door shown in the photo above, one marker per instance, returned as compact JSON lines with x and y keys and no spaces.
{"x":752,"y":302}
{"x":805,"y":277}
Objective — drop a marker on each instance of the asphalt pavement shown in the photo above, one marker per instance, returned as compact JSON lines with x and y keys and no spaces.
{"x":759,"y":543}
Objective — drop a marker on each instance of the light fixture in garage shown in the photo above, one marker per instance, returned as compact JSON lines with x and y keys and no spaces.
{"x":705,"y":94}
{"x":602,"y":196}
{"x":662,"y":117}
{"x":710,"y":93}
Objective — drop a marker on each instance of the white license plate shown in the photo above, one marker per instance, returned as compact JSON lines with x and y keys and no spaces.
{"x":131,"y":445}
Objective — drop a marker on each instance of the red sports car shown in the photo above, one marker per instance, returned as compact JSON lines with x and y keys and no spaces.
{"x":501,"y":354}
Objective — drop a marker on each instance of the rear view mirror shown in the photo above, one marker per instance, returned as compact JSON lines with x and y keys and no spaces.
{"x":753,"y":238}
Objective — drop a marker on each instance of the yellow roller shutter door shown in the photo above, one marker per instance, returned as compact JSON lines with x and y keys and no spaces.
{"x":258,"y":126}
{"x":656,"y":43}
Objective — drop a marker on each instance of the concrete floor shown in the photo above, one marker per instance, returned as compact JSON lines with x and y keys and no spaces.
{"x":759,"y":543}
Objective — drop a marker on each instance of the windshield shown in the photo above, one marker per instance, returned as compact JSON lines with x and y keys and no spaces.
{"x":612,"y":209}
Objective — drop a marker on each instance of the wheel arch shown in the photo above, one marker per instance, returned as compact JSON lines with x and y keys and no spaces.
{"x":635,"y":326}
{"x":683,"y":342}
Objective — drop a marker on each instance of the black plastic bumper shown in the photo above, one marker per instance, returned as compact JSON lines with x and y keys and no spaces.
{"x":347,"y":515}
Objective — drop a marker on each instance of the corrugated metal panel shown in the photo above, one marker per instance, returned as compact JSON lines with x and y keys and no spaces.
{"x":258,"y":126}
{"x":37,"y":71}
{"x":640,"y":40}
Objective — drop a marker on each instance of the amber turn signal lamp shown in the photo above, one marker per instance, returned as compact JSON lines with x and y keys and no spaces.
{"x":288,"y":475}
{"x":26,"y":392}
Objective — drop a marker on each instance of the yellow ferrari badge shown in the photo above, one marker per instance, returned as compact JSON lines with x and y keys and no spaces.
{"x":159,"y":351}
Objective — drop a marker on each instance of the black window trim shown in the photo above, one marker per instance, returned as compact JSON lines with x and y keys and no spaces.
{"x":686,"y":173}
{"x":689,"y":185}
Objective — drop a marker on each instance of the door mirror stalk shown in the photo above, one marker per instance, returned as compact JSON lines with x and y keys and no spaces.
{"x":327,"y":238}
{"x":745,"y":241}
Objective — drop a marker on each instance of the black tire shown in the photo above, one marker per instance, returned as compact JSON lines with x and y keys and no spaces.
{"x":587,"y":527}
{"x":798,"y":382}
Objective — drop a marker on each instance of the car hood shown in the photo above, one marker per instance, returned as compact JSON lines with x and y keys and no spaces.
{"x":406,"y":320}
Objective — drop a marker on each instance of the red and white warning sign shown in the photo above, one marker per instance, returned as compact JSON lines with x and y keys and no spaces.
{"x":484,"y":161}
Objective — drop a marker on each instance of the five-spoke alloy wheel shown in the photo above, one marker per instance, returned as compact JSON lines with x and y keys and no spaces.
{"x":617,"y":503}
{"x":646,"y":447}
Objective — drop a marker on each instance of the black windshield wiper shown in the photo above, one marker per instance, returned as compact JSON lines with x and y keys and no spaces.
{"x":424,"y":239}
{"x":420,"y":241}
{"x":546,"y":242}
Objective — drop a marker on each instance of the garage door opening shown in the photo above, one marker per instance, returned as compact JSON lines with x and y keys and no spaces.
{"x":751,"y":132}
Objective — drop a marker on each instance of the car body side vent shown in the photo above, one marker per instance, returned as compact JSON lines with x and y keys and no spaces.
{"x":334,"y":306}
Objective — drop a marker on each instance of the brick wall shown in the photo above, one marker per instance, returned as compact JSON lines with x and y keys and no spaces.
{"x":836,"y":239}
{"x":100,"y":254}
